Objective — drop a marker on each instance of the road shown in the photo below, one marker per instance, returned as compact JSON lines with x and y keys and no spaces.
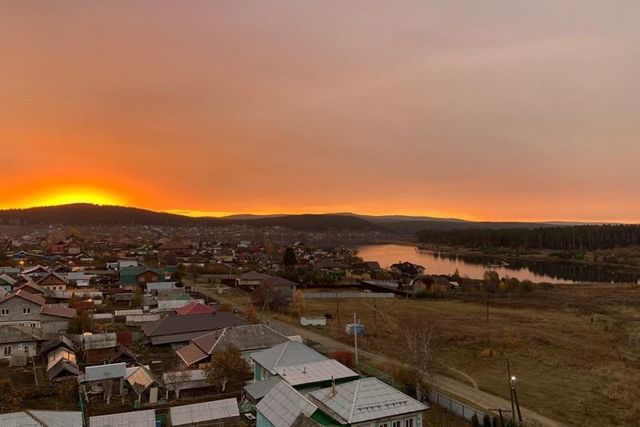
{"x":449,"y":386}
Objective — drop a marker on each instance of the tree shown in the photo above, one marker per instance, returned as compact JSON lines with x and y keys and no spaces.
{"x":227,"y":367}
{"x":251,"y":314}
{"x":289,"y":258}
{"x":68,"y":390}
{"x":416,"y":347}
{"x":10,"y":398}
{"x":491,"y":280}
{"x":81,"y":323}
{"x":297,"y":303}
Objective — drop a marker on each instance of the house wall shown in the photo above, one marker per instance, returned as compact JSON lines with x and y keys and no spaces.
{"x":16,"y":312}
{"x":410,"y":420}
{"x":261,"y":421}
{"x":29,"y":348}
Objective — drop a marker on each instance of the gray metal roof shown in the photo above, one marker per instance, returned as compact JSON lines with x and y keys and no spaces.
{"x":146,"y":418}
{"x":290,"y":353}
{"x":283,"y":404}
{"x":245,"y":338}
{"x":99,"y":341}
{"x":315,"y":372}
{"x":31,"y":418}
{"x":206,"y":411}
{"x":259,"y":389}
{"x":103,"y":372}
{"x":364,"y":400}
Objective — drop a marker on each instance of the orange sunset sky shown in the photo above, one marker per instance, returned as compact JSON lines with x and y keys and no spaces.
{"x":492,"y":110}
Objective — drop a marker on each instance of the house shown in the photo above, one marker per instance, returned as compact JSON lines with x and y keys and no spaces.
{"x":251,"y":279}
{"x":18,"y":340}
{"x":52,"y":283}
{"x":316,"y":374}
{"x":368,"y":402}
{"x":131,"y":276}
{"x":407,"y":269}
{"x":282,"y":406}
{"x":61,"y":359}
{"x":36,"y":418}
{"x":290,"y":353}
{"x":6,"y":283}
{"x":26,"y":309}
{"x":97,"y":347}
{"x":144,"y":384}
{"x":194,"y":307}
{"x":144,"y":418}
{"x":249,"y":339}
{"x":177,"y":381}
{"x":155,"y":287}
{"x":217,"y":412}
{"x":179,"y":330}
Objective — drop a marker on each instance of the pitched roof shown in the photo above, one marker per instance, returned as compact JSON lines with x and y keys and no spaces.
{"x":191,"y":354}
{"x":259,"y":389}
{"x":99,"y":341}
{"x":194,"y":307}
{"x":174,"y":325}
{"x":144,"y":418}
{"x":363,"y":400}
{"x":290,"y":353}
{"x":254,"y":275}
{"x":119,"y":353}
{"x":29,"y":284}
{"x":245,"y":338}
{"x":304,"y":421}
{"x":278,"y":282}
{"x":5,"y":278}
{"x":283,"y":404}
{"x":16,"y":334}
{"x":62,"y":366}
{"x":59,"y":341}
{"x":36,"y":299}
{"x":50,"y":275}
{"x":32,"y":418}
{"x":315,"y":372}
{"x":58,"y":311}
{"x":203,"y":412}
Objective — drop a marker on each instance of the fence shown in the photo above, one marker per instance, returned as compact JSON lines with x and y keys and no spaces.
{"x":453,"y":406}
{"x":347,"y":295}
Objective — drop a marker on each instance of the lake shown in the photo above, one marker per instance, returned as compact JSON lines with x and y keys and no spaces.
{"x":475,"y":266}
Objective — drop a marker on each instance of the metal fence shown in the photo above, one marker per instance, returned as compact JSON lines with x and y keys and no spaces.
{"x":347,"y":295}
{"x":453,"y":406}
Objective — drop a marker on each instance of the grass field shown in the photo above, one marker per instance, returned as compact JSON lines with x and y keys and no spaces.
{"x":575,"y":349}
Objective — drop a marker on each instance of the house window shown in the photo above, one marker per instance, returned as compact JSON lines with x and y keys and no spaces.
{"x":7,"y":351}
{"x":396,"y":424}
{"x":408,"y":423}
{"x":26,"y":310}
{"x":26,"y":349}
{"x":5,"y":311}
{"x":383,"y":425}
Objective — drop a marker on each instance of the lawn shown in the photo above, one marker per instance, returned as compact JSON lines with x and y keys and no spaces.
{"x":574,"y":348}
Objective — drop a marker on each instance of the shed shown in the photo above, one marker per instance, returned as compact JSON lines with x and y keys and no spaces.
{"x":199,"y":414}
{"x":145,"y":418}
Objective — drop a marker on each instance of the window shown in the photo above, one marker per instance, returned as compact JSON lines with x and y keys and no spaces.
{"x":26,"y":310}
{"x":26,"y":349}
{"x":5,"y":311}
{"x":396,"y":424}
{"x":408,"y":423}
{"x":383,"y":425}
{"x":7,"y":351}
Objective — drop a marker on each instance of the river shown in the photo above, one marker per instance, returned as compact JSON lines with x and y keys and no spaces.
{"x":475,"y":266}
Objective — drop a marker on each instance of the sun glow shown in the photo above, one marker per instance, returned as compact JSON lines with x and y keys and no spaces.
{"x":76,"y":195}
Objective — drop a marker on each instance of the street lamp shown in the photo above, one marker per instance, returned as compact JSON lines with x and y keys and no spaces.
{"x":515,"y":406}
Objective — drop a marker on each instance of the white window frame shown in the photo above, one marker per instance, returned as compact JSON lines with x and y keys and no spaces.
{"x":26,"y":310}
{"x":396,"y":423}
{"x":5,"y":312}
{"x":409,"y":422}
{"x":6,"y":350}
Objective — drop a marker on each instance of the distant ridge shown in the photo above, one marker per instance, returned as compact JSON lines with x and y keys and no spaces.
{"x":89,"y":214}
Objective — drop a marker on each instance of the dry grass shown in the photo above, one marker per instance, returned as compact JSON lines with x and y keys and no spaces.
{"x":575,"y":349}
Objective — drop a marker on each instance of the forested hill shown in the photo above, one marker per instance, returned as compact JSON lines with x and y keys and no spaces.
{"x":579,"y":237}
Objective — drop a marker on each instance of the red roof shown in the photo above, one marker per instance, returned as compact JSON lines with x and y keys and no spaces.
{"x":194,"y":308}
{"x":36,"y":299}
{"x":58,"y":311}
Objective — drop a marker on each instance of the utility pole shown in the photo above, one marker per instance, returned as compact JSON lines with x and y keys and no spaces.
{"x":375,"y":314}
{"x":355,"y":335}
{"x":514,"y":394}
{"x":487,"y":306}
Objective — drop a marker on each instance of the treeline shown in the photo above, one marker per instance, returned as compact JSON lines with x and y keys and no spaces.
{"x":569,"y":238}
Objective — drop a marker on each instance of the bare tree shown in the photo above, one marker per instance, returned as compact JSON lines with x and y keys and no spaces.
{"x":416,"y":349}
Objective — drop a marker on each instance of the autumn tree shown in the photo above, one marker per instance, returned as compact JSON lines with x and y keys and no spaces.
{"x":81,"y":323}
{"x":416,"y":347}
{"x":289,"y":259}
{"x":10,"y":398}
{"x":227,"y":367}
{"x":251,"y":314}
{"x":297,"y":305}
{"x":68,"y":390}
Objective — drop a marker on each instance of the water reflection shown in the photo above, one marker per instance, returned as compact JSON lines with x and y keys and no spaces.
{"x":474,"y":266}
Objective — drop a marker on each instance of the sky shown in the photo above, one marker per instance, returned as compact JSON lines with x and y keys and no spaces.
{"x":478,"y":109}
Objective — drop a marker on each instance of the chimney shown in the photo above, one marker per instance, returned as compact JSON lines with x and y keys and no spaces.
{"x":304,"y":370}
{"x":333,"y":386}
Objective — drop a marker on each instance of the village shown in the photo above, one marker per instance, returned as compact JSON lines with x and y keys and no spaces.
{"x":146,"y":330}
